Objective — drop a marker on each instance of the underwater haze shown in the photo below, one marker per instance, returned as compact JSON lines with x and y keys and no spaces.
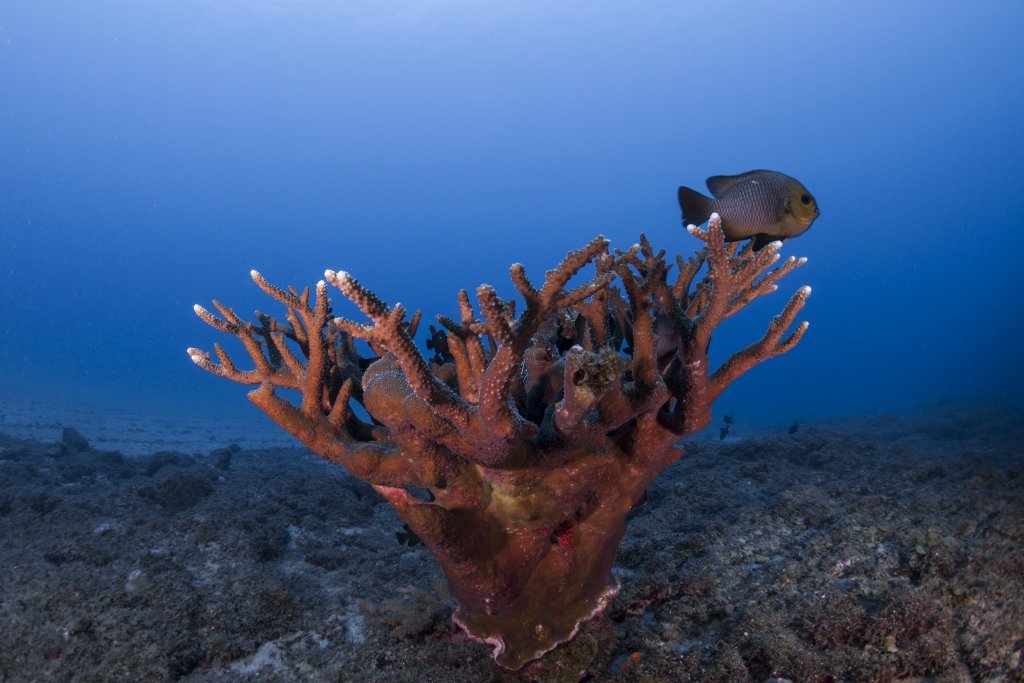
{"x":152,"y":153}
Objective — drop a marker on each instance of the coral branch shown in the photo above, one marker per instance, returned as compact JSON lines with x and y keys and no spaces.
{"x":770,"y":345}
{"x":376,"y":462}
{"x":391,"y":333}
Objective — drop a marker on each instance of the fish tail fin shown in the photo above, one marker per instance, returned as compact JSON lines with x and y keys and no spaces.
{"x":696,"y":207}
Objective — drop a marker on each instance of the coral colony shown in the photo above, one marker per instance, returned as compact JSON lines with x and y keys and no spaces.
{"x":534,"y":432}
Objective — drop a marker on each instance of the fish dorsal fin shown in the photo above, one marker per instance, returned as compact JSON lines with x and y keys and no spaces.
{"x":720,"y":184}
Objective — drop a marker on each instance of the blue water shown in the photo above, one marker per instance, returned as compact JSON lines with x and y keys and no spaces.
{"x":152,"y":153}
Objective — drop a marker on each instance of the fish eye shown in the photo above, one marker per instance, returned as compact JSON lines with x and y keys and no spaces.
{"x":805,"y":199}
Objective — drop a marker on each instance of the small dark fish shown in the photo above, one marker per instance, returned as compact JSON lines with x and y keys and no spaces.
{"x":794,"y":428}
{"x":407,"y":537}
{"x":724,"y":431}
{"x":764,"y":205}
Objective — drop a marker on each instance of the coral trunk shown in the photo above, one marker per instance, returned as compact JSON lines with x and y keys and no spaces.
{"x":551,"y":569}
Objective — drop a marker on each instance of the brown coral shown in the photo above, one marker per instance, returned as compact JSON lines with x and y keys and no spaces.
{"x":535,"y":432}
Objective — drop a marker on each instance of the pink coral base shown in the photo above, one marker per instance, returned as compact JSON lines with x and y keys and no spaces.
{"x":498,"y":644}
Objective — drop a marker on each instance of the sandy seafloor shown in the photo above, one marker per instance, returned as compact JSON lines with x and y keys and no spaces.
{"x":883,"y":548}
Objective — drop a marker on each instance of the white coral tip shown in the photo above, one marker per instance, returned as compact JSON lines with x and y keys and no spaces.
{"x":803,"y":260}
{"x":195,"y":354}
{"x":321,"y":284}
{"x":692,"y":229}
{"x":777,"y":244}
{"x":805,"y":290}
{"x":715,"y":217}
{"x":198,"y":309}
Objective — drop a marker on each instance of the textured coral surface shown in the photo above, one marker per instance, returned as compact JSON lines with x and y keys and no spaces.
{"x":516,"y":451}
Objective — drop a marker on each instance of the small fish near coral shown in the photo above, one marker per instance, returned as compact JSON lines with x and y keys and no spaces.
{"x":723,"y":431}
{"x":763,"y":205}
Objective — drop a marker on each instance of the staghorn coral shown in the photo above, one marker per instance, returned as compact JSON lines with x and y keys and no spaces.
{"x":535,"y":432}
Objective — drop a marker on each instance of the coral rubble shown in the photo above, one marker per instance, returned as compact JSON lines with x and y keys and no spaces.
{"x":516,"y":452}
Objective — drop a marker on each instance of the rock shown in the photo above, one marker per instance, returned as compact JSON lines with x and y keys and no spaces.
{"x":223,"y":456}
{"x":179,"y":491}
{"x":104,"y":528}
{"x":137,"y":582}
{"x":74,"y":440}
{"x":162,"y":459}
